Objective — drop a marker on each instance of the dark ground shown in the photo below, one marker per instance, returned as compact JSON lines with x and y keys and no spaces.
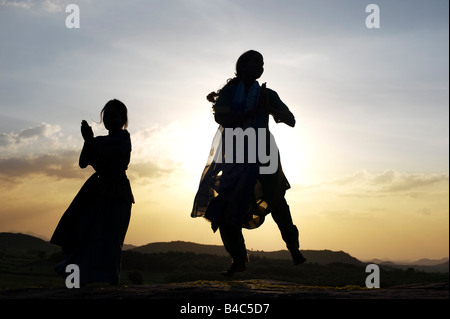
{"x":231,"y":290}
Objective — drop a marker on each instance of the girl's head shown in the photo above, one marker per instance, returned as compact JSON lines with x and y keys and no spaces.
{"x":250,"y":65}
{"x":114,"y":115}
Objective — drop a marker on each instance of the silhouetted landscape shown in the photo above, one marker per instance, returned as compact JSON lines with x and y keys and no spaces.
{"x":27,"y":262}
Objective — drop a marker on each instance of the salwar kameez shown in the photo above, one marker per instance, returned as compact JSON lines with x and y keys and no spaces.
{"x":92,"y":230}
{"x":234,"y":195}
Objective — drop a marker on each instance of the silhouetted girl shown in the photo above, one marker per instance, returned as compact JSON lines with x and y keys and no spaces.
{"x":236,"y":195}
{"x":92,"y":230}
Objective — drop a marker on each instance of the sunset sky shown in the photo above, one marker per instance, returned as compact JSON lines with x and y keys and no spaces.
{"x":368,"y":159}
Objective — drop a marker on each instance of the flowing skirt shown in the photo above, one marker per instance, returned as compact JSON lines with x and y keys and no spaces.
{"x":236,"y":193}
{"x":91,"y":233}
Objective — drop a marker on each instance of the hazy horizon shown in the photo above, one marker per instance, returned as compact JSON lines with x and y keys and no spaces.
{"x":368,"y":160}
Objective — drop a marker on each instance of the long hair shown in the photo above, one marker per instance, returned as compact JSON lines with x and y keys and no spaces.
{"x":240,"y":63}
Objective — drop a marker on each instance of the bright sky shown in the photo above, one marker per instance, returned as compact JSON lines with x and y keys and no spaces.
{"x":368,"y":160}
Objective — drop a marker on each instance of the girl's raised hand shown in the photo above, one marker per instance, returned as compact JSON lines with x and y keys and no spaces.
{"x":86,"y":131}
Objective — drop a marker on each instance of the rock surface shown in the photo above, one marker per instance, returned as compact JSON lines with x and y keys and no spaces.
{"x":231,"y":290}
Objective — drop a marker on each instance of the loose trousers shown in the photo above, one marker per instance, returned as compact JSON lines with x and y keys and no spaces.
{"x":233,"y":238}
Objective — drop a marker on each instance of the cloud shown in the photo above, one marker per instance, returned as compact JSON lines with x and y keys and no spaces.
{"x":424,"y":211}
{"x":54,"y":5}
{"x":37,"y":139}
{"x":144,"y":172}
{"x":45,"y":150}
{"x":41,"y":149}
{"x":364,"y":184}
{"x":24,"y":4}
{"x":29,"y":134}
{"x":46,"y":5}
{"x":159,"y":144}
{"x":390,"y":181}
{"x":63,"y":165}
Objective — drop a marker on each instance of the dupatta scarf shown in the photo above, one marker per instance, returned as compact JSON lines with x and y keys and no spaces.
{"x":229,"y":192}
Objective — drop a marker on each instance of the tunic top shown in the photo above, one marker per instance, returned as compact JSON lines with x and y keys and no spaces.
{"x":237,"y":193}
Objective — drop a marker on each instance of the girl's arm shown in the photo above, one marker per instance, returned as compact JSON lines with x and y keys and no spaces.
{"x":109,"y":153}
{"x":284,"y":116}
{"x":85,"y":155}
{"x":86,"y":152}
{"x":278,"y":109}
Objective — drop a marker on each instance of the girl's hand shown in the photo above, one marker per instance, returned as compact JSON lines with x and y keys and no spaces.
{"x":86,"y":131}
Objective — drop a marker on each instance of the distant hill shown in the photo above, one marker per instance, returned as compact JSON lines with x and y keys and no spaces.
{"x":22,"y":244}
{"x":322,"y":257}
{"x":19,"y":244}
{"x":420,"y":262}
{"x":181,"y":246}
{"x":424,"y":264}
{"x":431,"y":262}
{"x":442,"y":268}
{"x":128,"y":246}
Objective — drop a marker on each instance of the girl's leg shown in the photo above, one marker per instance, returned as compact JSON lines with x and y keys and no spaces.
{"x":289,"y":232}
{"x":234,"y":243}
